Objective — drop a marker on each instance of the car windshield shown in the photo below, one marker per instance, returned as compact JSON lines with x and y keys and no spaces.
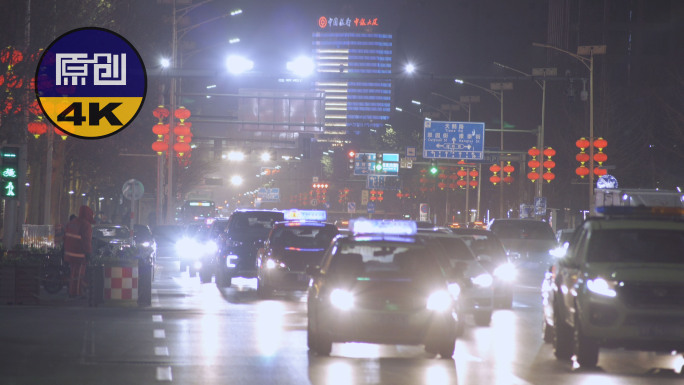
{"x":485,"y":245}
{"x":523,"y":230}
{"x":111,"y":232}
{"x":303,"y":236}
{"x":257,"y":223}
{"x":637,"y":246}
{"x":385,"y":260}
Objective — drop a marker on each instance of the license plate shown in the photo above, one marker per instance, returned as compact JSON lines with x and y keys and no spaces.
{"x":660,"y":331}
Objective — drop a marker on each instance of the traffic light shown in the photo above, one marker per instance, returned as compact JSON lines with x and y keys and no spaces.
{"x":9,"y":172}
{"x":351,"y":155}
{"x":433,"y":169}
{"x":378,"y":162}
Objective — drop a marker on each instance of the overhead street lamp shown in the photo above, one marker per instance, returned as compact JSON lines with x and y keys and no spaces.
{"x":582,"y":51}
{"x":177,"y":35}
{"x":495,"y":89}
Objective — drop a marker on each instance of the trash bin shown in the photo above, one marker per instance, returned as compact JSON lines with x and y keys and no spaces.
{"x":144,"y":282}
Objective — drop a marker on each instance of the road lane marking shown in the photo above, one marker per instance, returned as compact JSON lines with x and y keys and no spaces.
{"x":164,"y":373}
{"x":157,"y":318}
{"x":159,"y":333}
{"x":161,"y":351}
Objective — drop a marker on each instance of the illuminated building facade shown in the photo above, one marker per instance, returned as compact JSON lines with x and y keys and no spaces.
{"x":353,"y":55}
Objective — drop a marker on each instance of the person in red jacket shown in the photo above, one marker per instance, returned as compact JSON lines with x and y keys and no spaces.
{"x":78,"y":238}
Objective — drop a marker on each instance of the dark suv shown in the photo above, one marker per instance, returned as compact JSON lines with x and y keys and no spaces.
{"x":238,"y":243}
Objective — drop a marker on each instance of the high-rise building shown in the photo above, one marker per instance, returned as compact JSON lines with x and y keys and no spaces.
{"x":354,"y":63}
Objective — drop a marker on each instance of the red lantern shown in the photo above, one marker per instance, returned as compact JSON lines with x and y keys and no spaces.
{"x":441,"y":185}
{"x":533,"y":164}
{"x":549,"y":176}
{"x":182,"y":113}
{"x":534,"y":151}
{"x":452,"y":186}
{"x":473,"y":183}
{"x":61,"y":133}
{"x":34,"y":108}
{"x":474,"y":174}
{"x":160,"y":147}
{"x":461,"y":183}
{"x":442,"y":176}
{"x":582,"y":157}
{"x":600,"y":157}
{"x":37,"y":128}
{"x":181,"y":130}
{"x":508,"y":179}
{"x":508,"y":168}
{"x":600,"y":171}
{"x":462,"y":173}
{"x":582,"y":171}
{"x":181,"y":148}
{"x":582,"y":143}
{"x":494,"y":168}
{"x":423,"y":180}
{"x":600,"y":143}
{"x":533,"y":175}
{"x":549,"y":164}
{"x":495,"y":179}
{"x":160,"y":129}
{"x":549,"y":152}
{"x":160,"y":113}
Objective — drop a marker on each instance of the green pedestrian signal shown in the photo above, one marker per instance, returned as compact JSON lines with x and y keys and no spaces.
{"x":9,"y":172}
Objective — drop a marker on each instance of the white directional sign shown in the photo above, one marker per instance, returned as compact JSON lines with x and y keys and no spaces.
{"x":269,"y":194}
{"x":453,"y":140}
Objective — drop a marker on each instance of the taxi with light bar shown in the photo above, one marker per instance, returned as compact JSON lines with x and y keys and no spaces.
{"x":620,"y":284}
{"x":382,"y":284}
{"x":291,"y":246}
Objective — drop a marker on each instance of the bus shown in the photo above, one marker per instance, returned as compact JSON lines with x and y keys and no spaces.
{"x":197,"y":210}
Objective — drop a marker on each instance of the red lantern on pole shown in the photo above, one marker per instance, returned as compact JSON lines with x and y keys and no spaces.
{"x":473,"y":183}
{"x":160,"y":129}
{"x":533,"y":163}
{"x":161,"y":113}
{"x":533,"y":176}
{"x":495,"y":179}
{"x":508,"y":168}
{"x":582,"y":171}
{"x":600,"y":143}
{"x":582,"y":143}
{"x":61,"y":133}
{"x":159,"y":147}
{"x":495,"y":168}
{"x":462,"y":183}
{"x":182,"y":113}
{"x":474,"y":174}
{"x":508,"y":179}
{"x":181,"y":148}
{"x":533,"y":152}
{"x":600,"y":171}
{"x":549,"y":152}
{"x":600,"y":157}
{"x":549,"y":176}
{"x":582,"y":157}
{"x":181,"y":130}
{"x":462,"y":173}
{"x":37,"y":128}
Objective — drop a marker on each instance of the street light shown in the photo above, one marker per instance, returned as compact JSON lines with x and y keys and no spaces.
{"x":497,"y":90}
{"x":582,"y":51}
{"x":177,"y":35}
{"x":543,"y":72}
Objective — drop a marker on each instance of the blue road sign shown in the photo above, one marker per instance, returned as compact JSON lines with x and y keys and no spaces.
{"x":364,"y":163}
{"x":370,"y":207}
{"x":453,"y":140}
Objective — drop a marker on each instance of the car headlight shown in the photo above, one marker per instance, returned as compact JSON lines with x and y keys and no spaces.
{"x":454,"y":290}
{"x":560,"y":251}
{"x":273,"y":263}
{"x":506,"y":272}
{"x":186,"y":246}
{"x":342,"y":299}
{"x":210,"y":247}
{"x":602,"y":287}
{"x":439,"y":301}
{"x":145,"y":244}
{"x":483,"y":280}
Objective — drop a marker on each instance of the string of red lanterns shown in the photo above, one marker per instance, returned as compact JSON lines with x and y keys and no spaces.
{"x":549,"y":164}
{"x":533,"y":164}
{"x":583,"y":157}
